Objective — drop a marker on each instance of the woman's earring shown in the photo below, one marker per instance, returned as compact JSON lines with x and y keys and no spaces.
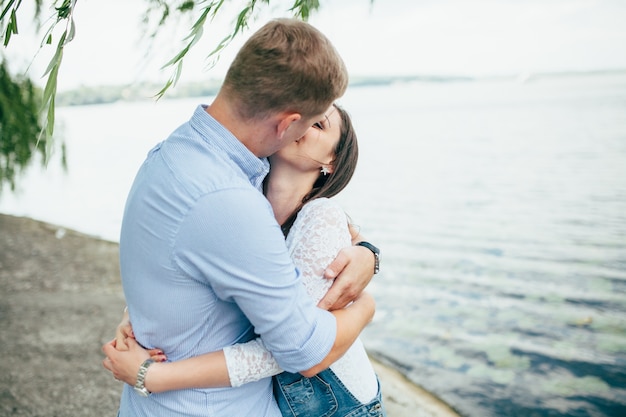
{"x":324,"y":170}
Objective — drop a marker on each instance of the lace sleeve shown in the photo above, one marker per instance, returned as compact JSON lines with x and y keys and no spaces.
{"x":249,"y":362}
{"x":316,"y":237}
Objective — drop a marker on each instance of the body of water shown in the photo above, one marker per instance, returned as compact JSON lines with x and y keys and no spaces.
{"x":500,"y":209}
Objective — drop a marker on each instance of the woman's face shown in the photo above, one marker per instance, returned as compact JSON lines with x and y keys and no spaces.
{"x":316,"y":147}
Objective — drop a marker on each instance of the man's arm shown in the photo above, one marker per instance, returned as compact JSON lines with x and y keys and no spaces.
{"x":248,"y":264}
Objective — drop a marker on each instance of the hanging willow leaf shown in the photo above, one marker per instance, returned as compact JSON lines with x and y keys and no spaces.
{"x":303,"y":8}
{"x":6,"y":9}
{"x":49,"y":92}
{"x":159,"y":12}
{"x":20,"y":125}
{"x":197,"y":30}
{"x":58,"y":56}
{"x":161,"y":92}
{"x":11,"y":28}
{"x":72,"y":31}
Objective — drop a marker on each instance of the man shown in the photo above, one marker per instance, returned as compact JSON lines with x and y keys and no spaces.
{"x":203,"y":261}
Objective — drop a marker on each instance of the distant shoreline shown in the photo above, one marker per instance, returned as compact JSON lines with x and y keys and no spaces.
{"x":105,"y":94}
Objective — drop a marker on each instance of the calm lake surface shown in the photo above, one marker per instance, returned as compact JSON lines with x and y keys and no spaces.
{"x":500,"y":208}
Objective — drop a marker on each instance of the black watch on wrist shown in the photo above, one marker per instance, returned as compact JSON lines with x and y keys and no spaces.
{"x":376,"y":253}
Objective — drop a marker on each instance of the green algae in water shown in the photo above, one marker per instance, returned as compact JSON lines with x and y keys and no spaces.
{"x":447,"y":357}
{"x":502,"y":358}
{"x":500,"y":376}
{"x":611,"y":343}
{"x":567,"y":386}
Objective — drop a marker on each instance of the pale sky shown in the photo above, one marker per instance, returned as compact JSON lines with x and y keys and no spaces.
{"x":390,"y":37}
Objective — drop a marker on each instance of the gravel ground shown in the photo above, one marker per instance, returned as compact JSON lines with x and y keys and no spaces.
{"x":60,"y":300}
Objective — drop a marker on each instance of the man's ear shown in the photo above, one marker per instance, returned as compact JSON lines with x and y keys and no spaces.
{"x":285,"y":122}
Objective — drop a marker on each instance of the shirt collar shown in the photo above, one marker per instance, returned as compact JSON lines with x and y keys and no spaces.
{"x":214,"y":133}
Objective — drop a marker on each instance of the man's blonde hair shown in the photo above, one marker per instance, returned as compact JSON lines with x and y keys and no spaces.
{"x":287,"y":65}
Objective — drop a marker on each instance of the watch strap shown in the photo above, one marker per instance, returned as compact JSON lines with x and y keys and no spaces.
{"x":376,"y":253}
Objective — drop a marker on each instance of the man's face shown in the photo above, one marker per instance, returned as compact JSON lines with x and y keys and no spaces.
{"x":316,"y":147}
{"x":297,"y":130}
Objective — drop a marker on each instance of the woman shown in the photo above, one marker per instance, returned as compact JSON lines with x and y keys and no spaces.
{"x":303,"y":176}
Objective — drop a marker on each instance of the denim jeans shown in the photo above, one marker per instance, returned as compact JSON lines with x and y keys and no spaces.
{"x":323,"y":395}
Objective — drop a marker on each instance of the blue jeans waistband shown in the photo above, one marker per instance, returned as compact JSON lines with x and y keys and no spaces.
{"x":323,"y":395}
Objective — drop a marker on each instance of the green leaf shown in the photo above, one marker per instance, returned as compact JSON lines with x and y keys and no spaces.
{"x":178,"y":72}
{"x":49,"y":104}
{"x":50,"y":118}
{"x":6,"y":9}
{"x":303,"y":8}
{"x":72,"y":31}
{"x":217,"y":8}
{"x":11,"y":28}
{"x":224,"y":42}
{"x":164,"y":89}
{"x":7,"y":35}
{"x":177,"y":58}
{"x":13,"y":21}
{"x":58,"y":56}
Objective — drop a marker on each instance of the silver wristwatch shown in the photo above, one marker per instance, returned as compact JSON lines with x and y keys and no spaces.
{"x":141,"y":377}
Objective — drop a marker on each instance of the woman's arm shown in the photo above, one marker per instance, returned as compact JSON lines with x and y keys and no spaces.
{"x":204,"y":371}
{"x":243,"y":363}
{"x":249,"y":362}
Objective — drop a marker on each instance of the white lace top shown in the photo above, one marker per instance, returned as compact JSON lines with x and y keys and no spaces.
{"x":317,"y":235}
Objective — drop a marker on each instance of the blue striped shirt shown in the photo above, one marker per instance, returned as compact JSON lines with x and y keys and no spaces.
{"x":204,"y":265}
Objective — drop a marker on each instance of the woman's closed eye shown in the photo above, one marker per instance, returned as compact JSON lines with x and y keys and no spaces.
{"x":318,"y":125}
